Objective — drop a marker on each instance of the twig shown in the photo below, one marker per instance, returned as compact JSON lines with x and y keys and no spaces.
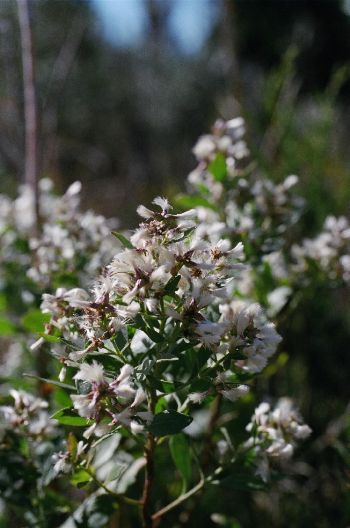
{"x":31,"y":166}
{"x":179,"y":500}
{"x":149,"y":478}
{"x":117,"y":496}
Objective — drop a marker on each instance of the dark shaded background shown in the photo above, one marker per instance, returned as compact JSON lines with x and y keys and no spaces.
{"x":123,"y":119}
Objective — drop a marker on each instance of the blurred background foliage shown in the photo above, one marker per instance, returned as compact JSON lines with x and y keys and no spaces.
{"x":122,"y":101}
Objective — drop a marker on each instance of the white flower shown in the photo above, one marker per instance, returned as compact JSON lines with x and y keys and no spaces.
{"x":62,"y":464}
{"x":197,"y":397}
{"x":248,"y":331}
{"x":84,"y":404}
{"x":209,"y":333}
{"x":163,"y":203}
{"x":122,"y":386}
{"x":204,"y":148}
{"x":235,"y":393}
{"x":276,"y":432}
{"x":93,"y":372}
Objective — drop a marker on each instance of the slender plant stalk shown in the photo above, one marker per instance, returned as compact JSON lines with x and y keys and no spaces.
{"x":148,"y":485}
{"x":31,"y":164}
{"x":120,"y":498}
{"x":179,"y":500}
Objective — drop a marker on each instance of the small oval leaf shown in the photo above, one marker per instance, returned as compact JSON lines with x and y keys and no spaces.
{"x":169,"y":423}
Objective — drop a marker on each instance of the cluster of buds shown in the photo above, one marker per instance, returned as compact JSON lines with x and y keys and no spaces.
{"x":329,"y":251}
{"x":226,"y":143}
{"x":248,"y":332}
{"x":28,"y":415}
{"x":65,"y":461}
{"x":275,"y":433}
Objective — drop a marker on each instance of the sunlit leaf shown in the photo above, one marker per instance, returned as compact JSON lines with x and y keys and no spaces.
{"x":69,"y":417}
{"x":126,"y":243}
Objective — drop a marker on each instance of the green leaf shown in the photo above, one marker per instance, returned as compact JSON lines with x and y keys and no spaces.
{"x":154,"y":335}
{"x":72,"y":445}
{"x":67,"y":416}
{"x":51,"y":382}
{"x":181,"y":455}
{"x":218,"y":167}
{"x":147,"y":325}
{"x":80,"y":477}
{"x":171,"y":285}
{"x":201,"y":385}
{"x":62,"y":399}
{"x":242,"y":481}
{"x":161,"y":405}
{"x":169,"y":423}
{"x":7,"y":328}
{"x":189,"y":202}
{"x":50,"y":338}
{"x":126,"y":243}
{"x":3,"y":302}
{"x":34,"y":320}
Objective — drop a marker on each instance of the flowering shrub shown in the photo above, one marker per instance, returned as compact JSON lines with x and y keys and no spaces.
{"x":156,"y":360}
{"x":72,"y":245}
{"x":158,"y":340}
{"x":70,"y":249}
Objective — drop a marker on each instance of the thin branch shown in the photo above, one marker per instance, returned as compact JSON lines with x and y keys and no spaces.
{"x":149,"y":475}
{"x":31,"y":166}
{"x":117,"y":496}
{"x":179,"y":500}
{"x":149,"y":478}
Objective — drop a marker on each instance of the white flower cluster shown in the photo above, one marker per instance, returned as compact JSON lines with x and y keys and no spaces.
{"x":225,"y":141}
{"x":248,"y":331}
{"x":163,"y":256}
{"x":266,"y":212}
{"x":109,"y":402}
{"x":166,"y":273}
{"x":28,"y":415}
{"x":70,"y":241}
{"x":237,"y":202}
{"x":64,"y":460}
{"x":329,"y":251}
{"x":275,"y":432}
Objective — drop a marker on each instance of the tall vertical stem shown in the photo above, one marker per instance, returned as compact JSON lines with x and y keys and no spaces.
{"x":31,"y":165}
{"x":149,"y":475}
{"x":147,"y":489}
